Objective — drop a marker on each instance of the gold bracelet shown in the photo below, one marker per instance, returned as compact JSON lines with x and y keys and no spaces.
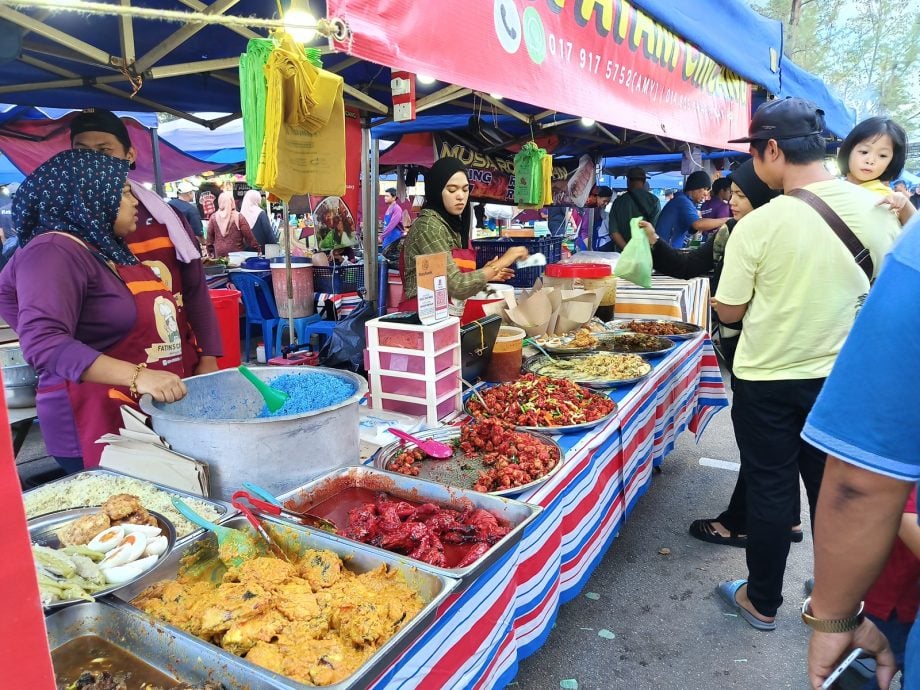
{"x":137,"y":370}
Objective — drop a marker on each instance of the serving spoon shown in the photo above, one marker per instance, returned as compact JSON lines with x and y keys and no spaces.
{"x":274,"y":398}
{"x":431,"y":448}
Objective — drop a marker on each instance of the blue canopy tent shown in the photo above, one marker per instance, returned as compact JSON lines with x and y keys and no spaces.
{"x":8,"y":172}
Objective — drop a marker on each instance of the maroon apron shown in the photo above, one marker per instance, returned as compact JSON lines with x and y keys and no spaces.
{"x":464,"y":258}
{"x":155,"y":339}
{"x":150,"y":243}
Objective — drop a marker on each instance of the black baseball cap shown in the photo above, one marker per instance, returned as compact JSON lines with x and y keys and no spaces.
{"x":784,"y":118}
{"x":97,"y":120}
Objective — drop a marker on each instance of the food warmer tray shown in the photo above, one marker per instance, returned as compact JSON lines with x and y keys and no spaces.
{"x":170,"y":651}
{"x":531,"y":364}
{"x":447,"y":472}
{"x":609,"y":345}
{"x":434,"y":589}
{"x":224,"y":509}
{"x":620,"y":326}
{"x":514,"y":513}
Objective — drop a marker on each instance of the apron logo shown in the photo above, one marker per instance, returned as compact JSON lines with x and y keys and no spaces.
{"x":162,"y":272}
{"x":164,"y":314}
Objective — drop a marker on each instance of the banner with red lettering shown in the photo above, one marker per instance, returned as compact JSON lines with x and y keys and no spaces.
{"x":602,"y":59}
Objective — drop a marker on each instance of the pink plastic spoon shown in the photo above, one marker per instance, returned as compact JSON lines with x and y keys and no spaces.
{"x":434,"y":449}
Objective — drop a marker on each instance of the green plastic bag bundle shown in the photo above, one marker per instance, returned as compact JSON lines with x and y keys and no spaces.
{"x":252,"y":100}
{"x":528,"y":175}
{"x":635,"y":264}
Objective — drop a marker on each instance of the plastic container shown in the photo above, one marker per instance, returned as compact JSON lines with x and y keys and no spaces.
{"x":608,"y":285}
{"x":507,"y":355}
{"x":302,"y":281}
{"x":416,"y":387}
{"x":550,"y":247}
{"x":227,"y":309}
{"x":409,"y":363}
{"x":418,"y":408}
{"x":260,"y":353}
{"x":398,"y":336}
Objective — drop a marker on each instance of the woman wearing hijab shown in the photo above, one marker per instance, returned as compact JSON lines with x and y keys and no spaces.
{"x":228,"y":231}
{"x":104,"y":330}
{"x":443,"y":225}
{"x":392,"y":220}
{"x":748,"y":192}
{"x":251,"y":209}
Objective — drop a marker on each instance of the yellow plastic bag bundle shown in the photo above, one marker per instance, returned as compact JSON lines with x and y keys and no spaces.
{"x":547,"y":163}
{"x":528,"y":175}
{"x":304,"y":145}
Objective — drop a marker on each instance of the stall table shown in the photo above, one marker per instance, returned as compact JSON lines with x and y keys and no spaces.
{"x":668,"y":298}
{"x":507,"y":614}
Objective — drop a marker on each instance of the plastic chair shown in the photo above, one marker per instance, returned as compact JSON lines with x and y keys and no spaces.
{"x":316,"y":324}
{"x":259,"y":304}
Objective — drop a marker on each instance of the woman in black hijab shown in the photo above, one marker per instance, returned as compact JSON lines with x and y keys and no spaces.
{"x":443,"y":225}
{"x":748,"y":192}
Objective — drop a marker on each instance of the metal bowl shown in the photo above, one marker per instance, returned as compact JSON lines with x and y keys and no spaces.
{"x":16,"y":371}
{"x":44,"y":530}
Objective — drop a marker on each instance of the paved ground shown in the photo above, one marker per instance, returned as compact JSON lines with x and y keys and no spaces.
{"x":671,"y":630}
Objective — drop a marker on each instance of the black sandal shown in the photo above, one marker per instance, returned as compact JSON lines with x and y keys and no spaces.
{"x":703,"y":530}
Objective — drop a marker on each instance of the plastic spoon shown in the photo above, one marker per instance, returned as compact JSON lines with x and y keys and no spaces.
{"x":232,"y":541}
{"x":274,"y":398}
{"x":431,"y":448}
{"x":271,"y":506}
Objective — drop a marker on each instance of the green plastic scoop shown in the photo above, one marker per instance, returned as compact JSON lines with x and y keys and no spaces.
{"x":234,"y":546}
{"x":274,"y":398}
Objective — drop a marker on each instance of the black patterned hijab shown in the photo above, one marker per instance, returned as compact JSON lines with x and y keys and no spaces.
{"x":77,"y":192}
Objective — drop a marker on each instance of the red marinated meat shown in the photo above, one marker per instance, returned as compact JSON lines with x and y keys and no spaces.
{"x":473,"y":554}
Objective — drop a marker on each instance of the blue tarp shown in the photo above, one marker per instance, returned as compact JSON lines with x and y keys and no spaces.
{"x":9,"y":172}
{"x":797,"y":82}
{"x":730,"y":32}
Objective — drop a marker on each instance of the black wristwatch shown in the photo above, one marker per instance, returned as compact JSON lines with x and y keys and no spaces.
{"x":838,"y":625}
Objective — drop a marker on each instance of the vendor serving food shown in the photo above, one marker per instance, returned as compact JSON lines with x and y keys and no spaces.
{"x":91,"y":318}
{"x":444,"y":226}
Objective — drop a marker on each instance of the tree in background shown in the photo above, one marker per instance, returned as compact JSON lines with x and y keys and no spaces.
{"x":867,"y":51}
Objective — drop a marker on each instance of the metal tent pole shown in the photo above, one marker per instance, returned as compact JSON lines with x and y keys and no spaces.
{"x":157,"y":172}
{"x":288,"y":271}
{"x":370,"y":159}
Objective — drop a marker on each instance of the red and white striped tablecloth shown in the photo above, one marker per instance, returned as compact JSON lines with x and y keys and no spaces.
{"x":507,"y":613}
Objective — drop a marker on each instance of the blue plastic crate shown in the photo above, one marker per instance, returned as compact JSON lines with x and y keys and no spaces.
{"x":338,"y":279}
{"x":550,"y":247}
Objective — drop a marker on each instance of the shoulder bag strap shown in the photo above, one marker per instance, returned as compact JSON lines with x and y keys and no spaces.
{"x":850,"y":240}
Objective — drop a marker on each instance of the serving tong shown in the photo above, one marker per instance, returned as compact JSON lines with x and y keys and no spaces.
{"x":275,"y":509}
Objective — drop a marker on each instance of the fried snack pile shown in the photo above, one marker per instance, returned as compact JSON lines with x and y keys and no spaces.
{"x":117,"y":510}
{"x":313,"y":621}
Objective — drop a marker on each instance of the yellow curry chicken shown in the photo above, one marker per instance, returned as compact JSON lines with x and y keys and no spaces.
{"x":313,"y":621}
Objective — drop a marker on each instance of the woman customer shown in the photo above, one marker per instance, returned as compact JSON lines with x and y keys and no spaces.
{"x":443,"y":225}
{"x":104,"y":331}
{"x":257,"y":219}
{"x":748,"y":192}
{"x":393,"y":229}
{"x":228,"y":231}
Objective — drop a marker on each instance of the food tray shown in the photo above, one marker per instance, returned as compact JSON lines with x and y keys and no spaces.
{"x":532,"y":364}
{"x":43,"y":531}
{"x":568,"y":429}
{"x":447,"y":471}
{"x":621,"y":325}
{"x":224,"y":509}
{"x":514,"y":513}
{"x":168,"y":650}
{"x":609,"y":344}
{"x":434,"y":589}
{"x":561,"y":350}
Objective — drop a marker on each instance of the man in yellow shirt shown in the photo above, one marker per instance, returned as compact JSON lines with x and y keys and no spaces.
{"x":797,"y":288}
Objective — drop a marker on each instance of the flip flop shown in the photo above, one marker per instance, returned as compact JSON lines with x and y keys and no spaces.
{"x":727,"y":592}
{"x":703,"y":530}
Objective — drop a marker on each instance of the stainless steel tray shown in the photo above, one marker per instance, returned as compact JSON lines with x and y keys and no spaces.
{"x":610,"y":344}
{"x":43,"y":530}
{"x":569,"y":429}
{"x":623,"y":325}
{"x":446,"y":472}
{"x":514,"y":513}
{"x":532,"y":365}
{"x":170,"y":651}
{"x":433,"y":588}
{"x":224,"y":509}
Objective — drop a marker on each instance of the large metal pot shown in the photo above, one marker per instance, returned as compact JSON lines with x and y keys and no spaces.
{"x":16,"y":372}
{"x":217,"y":423}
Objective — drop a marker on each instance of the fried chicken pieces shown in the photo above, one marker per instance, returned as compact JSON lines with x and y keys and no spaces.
{"x":117,"y":510}
{"x":313,"y":621}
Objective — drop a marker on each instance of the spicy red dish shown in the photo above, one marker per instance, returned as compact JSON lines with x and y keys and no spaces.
{"x":540,"y":401}
{"x":426,"y":532}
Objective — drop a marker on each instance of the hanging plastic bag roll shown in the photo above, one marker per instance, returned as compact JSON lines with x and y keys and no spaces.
{"x":547,"y":165}
{"x":635,"y":264}
{"x":528,"y":175}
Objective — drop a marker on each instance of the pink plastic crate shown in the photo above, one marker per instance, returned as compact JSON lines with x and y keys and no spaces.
{"x":416,"y":386}
{"x":416,"y":409}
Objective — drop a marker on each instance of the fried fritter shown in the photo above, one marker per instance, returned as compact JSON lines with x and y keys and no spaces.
{"x":121,"y":506}
{"x":83,"y":529}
